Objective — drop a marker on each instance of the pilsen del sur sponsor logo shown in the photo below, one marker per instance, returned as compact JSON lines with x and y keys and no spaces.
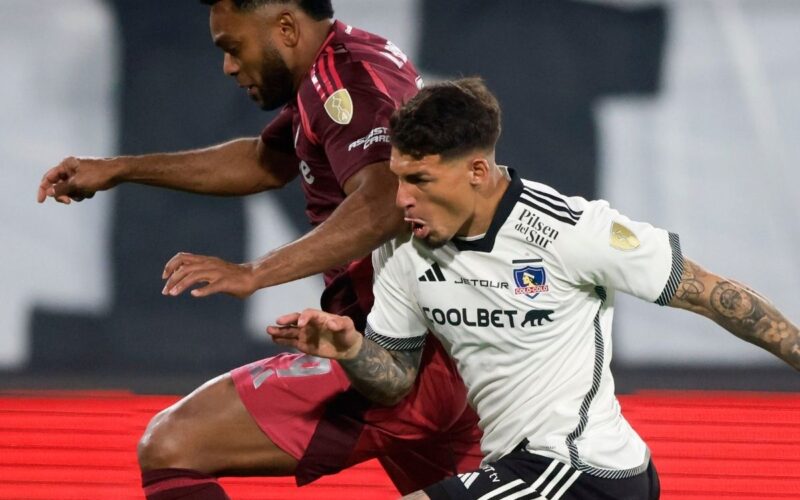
{"x":530,"y":225}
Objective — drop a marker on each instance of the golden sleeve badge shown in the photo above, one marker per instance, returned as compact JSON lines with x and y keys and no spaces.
{"x":339,"y":107}
{"x":623,"y":238}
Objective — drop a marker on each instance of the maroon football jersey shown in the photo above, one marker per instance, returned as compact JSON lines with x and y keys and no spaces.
{"x":337,"y":124}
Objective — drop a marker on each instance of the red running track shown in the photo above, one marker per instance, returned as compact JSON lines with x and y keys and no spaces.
{"x":707,"y":445}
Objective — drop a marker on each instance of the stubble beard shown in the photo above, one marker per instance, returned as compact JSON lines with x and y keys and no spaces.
{"x":277,"y":85}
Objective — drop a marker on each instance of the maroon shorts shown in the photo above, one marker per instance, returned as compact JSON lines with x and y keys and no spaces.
{"x":306,"y":406}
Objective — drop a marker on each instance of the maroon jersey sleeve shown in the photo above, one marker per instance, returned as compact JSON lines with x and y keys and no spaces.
{"x":352,"y":122}
{"x":278,"y":133}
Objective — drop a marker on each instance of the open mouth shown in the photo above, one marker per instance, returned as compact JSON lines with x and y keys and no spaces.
{"x":418,"y":228}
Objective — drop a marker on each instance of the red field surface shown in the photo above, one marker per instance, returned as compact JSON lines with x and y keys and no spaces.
{"x":707,"y":445}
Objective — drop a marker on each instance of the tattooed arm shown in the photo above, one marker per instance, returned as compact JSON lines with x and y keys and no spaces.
{"x":738,"y":309}
{"x":382,"y":376}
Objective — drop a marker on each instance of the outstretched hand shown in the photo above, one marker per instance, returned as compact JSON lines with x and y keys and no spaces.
{"x":185,"y":270}
{"x":75,"y":179}
{"x":318,"y":333}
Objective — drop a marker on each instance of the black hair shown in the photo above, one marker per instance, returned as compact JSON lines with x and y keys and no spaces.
{"x":316,"y":9}
{"x":449,"y":118}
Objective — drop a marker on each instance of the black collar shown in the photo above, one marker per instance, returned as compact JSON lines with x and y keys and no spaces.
{"x":504,"y":208}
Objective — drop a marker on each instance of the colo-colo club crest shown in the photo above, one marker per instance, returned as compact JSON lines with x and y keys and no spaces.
{"x":531,"y":281}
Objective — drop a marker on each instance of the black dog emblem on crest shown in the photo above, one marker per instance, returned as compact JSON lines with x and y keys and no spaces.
{"x":537,"y":316}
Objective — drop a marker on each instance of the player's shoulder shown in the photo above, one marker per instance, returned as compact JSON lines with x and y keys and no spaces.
{"x":354,"y":49}
{"x":341,"y":61}
{"x":354,"y":67}
{"x":547,"y":201}
{"x":399,"y":254}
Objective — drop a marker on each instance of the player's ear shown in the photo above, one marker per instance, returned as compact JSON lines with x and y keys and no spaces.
{"x":289,"y":29}
{"x":479,"y":171}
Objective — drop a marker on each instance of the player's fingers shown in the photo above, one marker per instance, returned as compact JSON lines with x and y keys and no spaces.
{"x":278,"y":331}
{"x":309,"y":316}
{"x":174,"y":273}
{"x":186,"y":277}
{"x":216,"y":286}
{"x":288,"y":319}
{"x":336,"y":323}
{"x":49,"y":179}
{"x":63,"y":188}
{"x":285,"y":342}
{"x":54,"y":175}
{"x":177,"y":260}
{"x":44,"y":188}
{"x":61,"y":172}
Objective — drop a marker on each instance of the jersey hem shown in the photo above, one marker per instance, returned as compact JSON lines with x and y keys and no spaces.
{"x":393,"y":343}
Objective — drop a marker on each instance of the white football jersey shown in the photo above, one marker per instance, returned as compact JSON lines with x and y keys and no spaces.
{"x":526,"y":310}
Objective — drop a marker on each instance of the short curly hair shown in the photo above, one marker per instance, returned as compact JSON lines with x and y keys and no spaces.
{"x":449,"y":118}
{"x":317,"y":9}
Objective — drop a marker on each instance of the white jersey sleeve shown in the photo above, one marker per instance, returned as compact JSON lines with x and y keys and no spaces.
{"x":610,"y":250}
{"x":396,"y":321}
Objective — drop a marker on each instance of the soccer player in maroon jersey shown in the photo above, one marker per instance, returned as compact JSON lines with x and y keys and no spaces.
{"x":293,"y":414}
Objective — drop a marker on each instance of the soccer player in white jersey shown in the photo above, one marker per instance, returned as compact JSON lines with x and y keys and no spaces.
{"x":518,"y":283}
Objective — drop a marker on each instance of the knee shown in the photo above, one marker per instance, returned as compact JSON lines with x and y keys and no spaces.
{"x":159,"y":446}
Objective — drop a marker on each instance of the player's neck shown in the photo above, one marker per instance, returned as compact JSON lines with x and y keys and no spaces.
{"x":309,"y":48}
{"x":486,"y":205}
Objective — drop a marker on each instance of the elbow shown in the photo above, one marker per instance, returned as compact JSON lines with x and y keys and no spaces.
{"x":384,"y":395}
{"x":393,"y":398}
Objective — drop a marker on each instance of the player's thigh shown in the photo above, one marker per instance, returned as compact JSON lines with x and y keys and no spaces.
{"x":417,"y":464}
{"x":211,"y":431}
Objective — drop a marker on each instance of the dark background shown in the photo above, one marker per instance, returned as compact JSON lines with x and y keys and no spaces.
{"x":548,"y":61}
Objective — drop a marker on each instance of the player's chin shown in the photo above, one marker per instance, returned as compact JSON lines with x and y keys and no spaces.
{"x":435,"y":241}
{"x":269,"y":101}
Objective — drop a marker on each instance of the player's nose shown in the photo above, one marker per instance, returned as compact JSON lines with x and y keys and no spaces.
{"x":403,"y":199}
{"x":229,"y":65}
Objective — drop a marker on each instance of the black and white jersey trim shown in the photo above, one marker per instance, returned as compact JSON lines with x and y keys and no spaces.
{"x":394,"y":344}
{"x":551,"y":484}
{"x":560,"y":201}
{"x":504,"y":209}
{"x":549,"y":204}
{"x":675,"y":274}
{"x":583,"y":412}
{"x":555,"y":480}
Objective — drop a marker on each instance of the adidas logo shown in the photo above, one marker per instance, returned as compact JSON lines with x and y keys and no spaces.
{"x":468,"y":478}
{"x":433,"y":274}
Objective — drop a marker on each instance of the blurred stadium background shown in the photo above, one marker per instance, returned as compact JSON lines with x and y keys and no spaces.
{"x":684,"y":113}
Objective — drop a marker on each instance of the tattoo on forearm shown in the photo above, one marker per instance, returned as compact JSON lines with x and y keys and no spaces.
{"x":740,"y":310}
{"x":691,"y":285}
{"x":382,"y":376}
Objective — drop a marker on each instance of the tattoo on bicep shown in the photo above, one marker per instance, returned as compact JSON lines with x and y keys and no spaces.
{"x":380,"y":375}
